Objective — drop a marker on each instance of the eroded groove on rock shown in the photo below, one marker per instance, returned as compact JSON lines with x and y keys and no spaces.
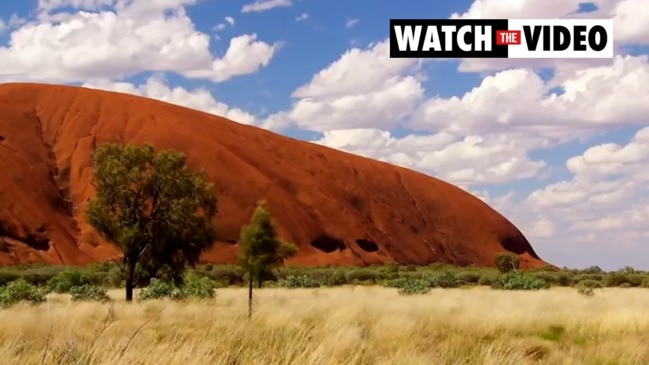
{"x":367,"y":245}
{"x":328,"y":244}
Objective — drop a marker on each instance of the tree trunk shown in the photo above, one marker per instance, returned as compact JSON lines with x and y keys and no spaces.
{"x":130,"y":272}
{"x":250,"y":295}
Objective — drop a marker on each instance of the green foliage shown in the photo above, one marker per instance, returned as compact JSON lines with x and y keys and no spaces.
{"x":88,"y":292}
{"x":7,"y":276}
{"x":193,"y":287}
{"x":328,"y":277}
{"x":645,"y":282}
{"x":363,"y":275}
{"x":415,"y":287}
{"x":518,"y":281}
{"x":585,"y":291}
{"x":156,"y":211}
{"x":487,"y":279}
{"x":593,"y":284}
{"x":20,"y":291}
{"x":300,"y":281}
{"x":409,"y":286}
{"x":228,"y":275}
{"x":261,"y":249}
{"x":469,"y":277}
{"x":67,"y":279}
{"x":196,"y":287}
{"x":444,"y":279}
{"x":507,"y":262}
{"x":159,"y":289}
{"x":621,"y":279}
{"x":587,"y":287}
{"x":583,"y":277}
{"x":592,"y":270}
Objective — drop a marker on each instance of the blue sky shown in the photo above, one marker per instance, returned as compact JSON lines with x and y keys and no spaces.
{"x":566,"y":168}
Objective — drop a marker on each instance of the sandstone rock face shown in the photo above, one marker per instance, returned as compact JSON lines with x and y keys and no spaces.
{"x":337,"y":207}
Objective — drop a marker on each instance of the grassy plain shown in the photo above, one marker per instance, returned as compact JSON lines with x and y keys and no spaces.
{"x":339,"y":325}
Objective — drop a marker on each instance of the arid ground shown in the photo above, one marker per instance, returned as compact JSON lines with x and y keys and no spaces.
{"x":342,"y":325}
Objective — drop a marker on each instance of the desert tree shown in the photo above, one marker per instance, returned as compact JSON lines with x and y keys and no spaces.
{"x":507,"y":262}
{"x":261,"y":249}
{"x":153,"y":208}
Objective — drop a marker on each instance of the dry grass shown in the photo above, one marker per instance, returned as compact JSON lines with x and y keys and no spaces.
{"x":362,"y":325}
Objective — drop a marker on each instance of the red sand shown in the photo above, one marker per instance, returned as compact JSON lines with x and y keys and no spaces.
{"x":339,"y":208}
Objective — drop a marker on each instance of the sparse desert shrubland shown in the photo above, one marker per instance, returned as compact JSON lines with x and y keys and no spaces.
{"x":332,"y":315}
{"x":336,"y":325}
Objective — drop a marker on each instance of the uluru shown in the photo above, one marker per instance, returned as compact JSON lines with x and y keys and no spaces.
{"x":338,"y":208}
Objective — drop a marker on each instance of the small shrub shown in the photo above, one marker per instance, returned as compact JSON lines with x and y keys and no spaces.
{"x":618,"y":279}
{"x":592,"y":270}
{"x":469,"y":277}
{"x":414,"y":287}
{"x":7,"y":277}
{"x":444,"y":279}
{"x":114,"y":278}
{"x":198,"y":287}
{"x":585,"y":291}
{"x":89,"y":292}
{"x":487,"y":279}
{"x":232,"y":275}
{"x":20,"y":291}
{"x":158,"y":289}
{"x":519,"y":281}
{"x":593,"y":284}
{"x":549,"y":277}
{"x":299,"y":281}
{"x":363,"y":275}
{"x":398,"y":283}
{"x":645,"y":282}
{"x":507,"y":262}
{"x":66,"y":280}
{"x":329,"y":277}
{"x":583,"y":277}
{"x":587,"y":287}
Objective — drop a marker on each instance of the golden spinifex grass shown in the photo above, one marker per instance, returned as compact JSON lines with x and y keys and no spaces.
{"x":344,"y":325}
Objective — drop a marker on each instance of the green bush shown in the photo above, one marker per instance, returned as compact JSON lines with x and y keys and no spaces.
{"x":7,"y":277}
{"x":587,"y":287}
{"x":592,"y":270}
{"x":329,"y":277}
{"x":20,"y":291}
{"x":299,"y":281}
{"x":397,"y":283}
{"x":88,"y":292}
{"x":507,"y":262}
{"x":593,"y":284}
{"x":444,"y":279}
{"x":585,"y":291}
{"x":487,"y":278}
{"x":583,"y":277}
{"x":198,"y":287}
{"x":619,"y":279}
{"x":66,"y":280}
{"x":518,"y":281}
{"x":360,"y":275}
{"x":230,"y":275}
{"x":40,"y":276}
{"x":195,"y":287}
{"x":469,"y":277}
{"x":159,"y":289}
{"x":645,"y":282}
{"x":414,"y":287}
